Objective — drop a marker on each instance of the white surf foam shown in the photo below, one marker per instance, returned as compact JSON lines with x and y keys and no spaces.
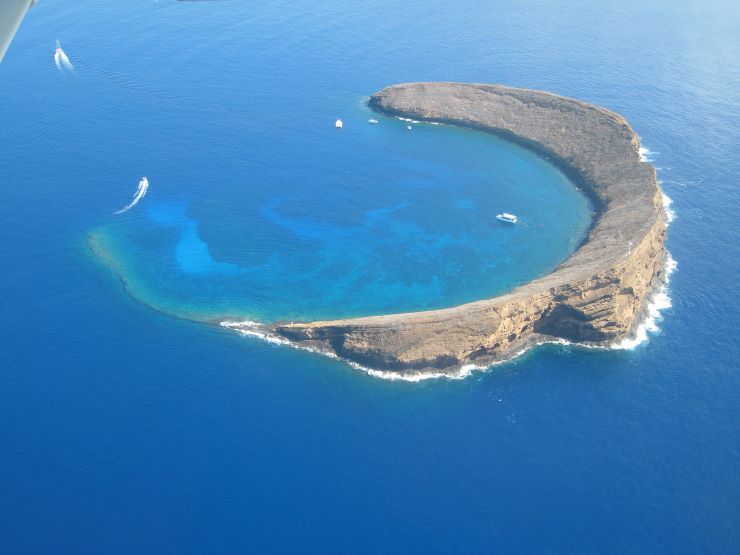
{"x":409,"y":120}
{"x":646,"y":155}
{"x":250,"y":328}
{"x":256,"y":330}
{"x":460,"y":374}
{"x":670,"y":214}
{"x":658,"y":302}
{"x":140,"y":192}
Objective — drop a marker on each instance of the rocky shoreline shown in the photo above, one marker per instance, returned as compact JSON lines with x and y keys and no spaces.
{"x":597,"y":296}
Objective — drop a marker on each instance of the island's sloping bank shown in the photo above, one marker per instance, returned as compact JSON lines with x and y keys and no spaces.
{"x":596,"y":296}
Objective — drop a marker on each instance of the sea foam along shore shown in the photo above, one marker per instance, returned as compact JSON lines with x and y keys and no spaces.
{"x":250,"y":328}
{"x":657,"y":302}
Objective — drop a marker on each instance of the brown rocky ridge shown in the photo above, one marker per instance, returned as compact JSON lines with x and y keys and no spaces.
{"x":596,"y":296}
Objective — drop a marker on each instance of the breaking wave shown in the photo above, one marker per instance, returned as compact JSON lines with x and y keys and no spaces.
{"x":657,"y":302}
{"x":249,"y":328}
{"x":646,"y":155}
{"x":409,"y":120}
{"x":670,"y":214}
{"x":140,"y":192}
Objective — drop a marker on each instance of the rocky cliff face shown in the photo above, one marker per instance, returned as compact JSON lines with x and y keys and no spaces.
{"x":595,"y":296}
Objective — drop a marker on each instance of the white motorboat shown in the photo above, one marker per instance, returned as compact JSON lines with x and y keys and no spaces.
{"x":508,"y":218}
{"x":60,"y":58}
{"x":372,"y":121}
{"x":338,"y":124}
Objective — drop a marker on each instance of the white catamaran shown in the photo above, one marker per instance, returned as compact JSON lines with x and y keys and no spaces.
{"x":508,"y":218}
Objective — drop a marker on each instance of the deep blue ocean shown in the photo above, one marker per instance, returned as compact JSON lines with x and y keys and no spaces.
{"x":127,"y":425}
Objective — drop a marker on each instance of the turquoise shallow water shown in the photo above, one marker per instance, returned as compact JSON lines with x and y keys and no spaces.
{"x":369,"y":219}
{"x":126,"y":431}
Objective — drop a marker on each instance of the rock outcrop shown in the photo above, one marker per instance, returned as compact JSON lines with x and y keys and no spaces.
{"x":595,"y":296}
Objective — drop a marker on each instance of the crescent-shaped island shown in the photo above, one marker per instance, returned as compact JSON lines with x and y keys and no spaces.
{"x":597,"y":296}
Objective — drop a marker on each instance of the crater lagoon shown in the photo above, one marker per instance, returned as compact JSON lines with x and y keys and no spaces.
{"x":368,"y":219}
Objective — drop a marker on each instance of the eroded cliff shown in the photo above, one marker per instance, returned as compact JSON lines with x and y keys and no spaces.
{"x":595,"y":296}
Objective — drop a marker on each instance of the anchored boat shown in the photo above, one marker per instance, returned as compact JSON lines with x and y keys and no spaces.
{"x":508,"y":218}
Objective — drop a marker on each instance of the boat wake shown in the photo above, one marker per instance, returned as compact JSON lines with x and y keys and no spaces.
{"x":61,"y":60}
{"x":140,"y":192}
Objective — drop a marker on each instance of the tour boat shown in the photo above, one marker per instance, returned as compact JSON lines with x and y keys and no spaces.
{"x":338,"y":124}
{"x":508,"y":218}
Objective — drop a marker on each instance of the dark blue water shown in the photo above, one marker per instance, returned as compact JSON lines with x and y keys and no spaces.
{"x":124,"y":430}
